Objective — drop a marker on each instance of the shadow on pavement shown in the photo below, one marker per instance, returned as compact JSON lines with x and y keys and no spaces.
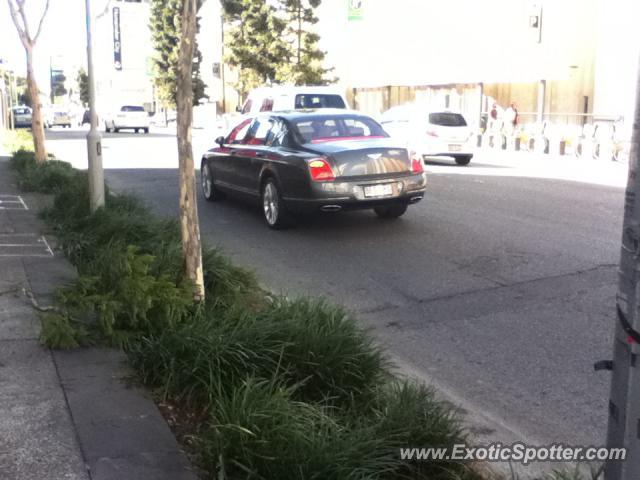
{"x":158,"y":188}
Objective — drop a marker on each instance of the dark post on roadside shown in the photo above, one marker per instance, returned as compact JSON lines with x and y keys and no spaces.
{"x":624,"y":401}
{"x":94,"y":143}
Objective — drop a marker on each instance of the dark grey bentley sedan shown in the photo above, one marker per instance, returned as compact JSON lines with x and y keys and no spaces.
{"x":303,"y":161}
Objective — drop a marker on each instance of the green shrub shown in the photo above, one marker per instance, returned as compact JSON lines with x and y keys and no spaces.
{"x":260,"y":430}
{"x":288,"y":389}
{"x":407,"y":414}
{"x":21,"y":160}
{"x":49,"y":177}
{"x":326,"y":350}
{"x":125,"y":297}
{"x":308,"y":344}
{"x":227,"y":284}
{"x":58,"y":332}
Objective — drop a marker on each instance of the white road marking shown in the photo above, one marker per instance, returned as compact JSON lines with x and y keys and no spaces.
{"x":31,"y":241}
{"x":15,"y":202}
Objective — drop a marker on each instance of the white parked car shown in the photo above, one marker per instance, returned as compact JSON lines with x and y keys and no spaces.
{"x":430,"y":133}
{"x":58,"y":118}
{"x":129,"y":117}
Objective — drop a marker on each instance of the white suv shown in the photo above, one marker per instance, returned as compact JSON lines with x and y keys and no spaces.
{"x":132,"y":117}
{"x":274,"y":99}
{"x":430,"y":133}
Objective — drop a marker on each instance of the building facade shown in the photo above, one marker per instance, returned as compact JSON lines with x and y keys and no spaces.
{"x":122,"y":55}
{"x":563,"y":61}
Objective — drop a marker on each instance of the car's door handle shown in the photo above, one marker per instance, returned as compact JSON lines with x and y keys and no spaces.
{"x":233,"y":152}
{"x":261,"y":155}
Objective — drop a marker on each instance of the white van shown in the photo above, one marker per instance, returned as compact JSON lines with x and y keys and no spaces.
{"x":279,"y":98}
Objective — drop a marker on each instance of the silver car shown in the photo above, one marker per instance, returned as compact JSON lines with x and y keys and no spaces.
{"x":21,"y":116}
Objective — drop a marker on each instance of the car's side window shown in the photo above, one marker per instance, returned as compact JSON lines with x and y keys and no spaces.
{"x":277,"y":135}
{"x":239,"y":132}
{"x":258,"y":132}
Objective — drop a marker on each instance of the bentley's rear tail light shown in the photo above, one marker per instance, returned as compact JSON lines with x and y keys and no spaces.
{"x":320,"y":170}
{"x":416,"y":163}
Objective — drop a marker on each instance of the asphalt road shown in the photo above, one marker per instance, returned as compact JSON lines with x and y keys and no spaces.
{"x":499,"y":285}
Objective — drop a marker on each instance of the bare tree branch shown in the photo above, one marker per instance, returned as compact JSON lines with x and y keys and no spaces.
{"x":27,"y":34}
{"x":16,"y":22}
{"x":105,"y":11}
{"x":44,"y":14}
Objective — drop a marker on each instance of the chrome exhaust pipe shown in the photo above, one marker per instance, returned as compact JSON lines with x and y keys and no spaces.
{"x":415,"y":199}
{"x":331,"y":208}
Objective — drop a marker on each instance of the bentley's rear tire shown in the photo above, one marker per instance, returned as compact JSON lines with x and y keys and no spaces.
{"x":463,"y":159}
{"x":390,"y":211}
{"x":209,"y":190}
{"x":273,"y":208}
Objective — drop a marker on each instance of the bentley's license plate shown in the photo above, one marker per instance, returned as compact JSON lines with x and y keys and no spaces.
{"x":455,"y":148}
{"x":378,"y":190}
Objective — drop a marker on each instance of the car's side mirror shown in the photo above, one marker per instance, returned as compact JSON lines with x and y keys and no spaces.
{"x":220,"y":141}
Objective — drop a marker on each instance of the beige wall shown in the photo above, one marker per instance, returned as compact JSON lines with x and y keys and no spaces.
{"x":437,"y":44}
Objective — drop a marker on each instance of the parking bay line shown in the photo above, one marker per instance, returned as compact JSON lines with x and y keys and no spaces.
{"x":12,"y":200}
{"x":40,"y":245}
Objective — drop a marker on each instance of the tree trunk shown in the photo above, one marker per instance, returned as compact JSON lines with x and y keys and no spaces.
{"x":299,"y":32}
{"x":37,"y":126}
{"x":189,"y":227}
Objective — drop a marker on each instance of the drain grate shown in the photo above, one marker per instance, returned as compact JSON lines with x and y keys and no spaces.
{"x":12,"y":202}
{"x":24,"y":245}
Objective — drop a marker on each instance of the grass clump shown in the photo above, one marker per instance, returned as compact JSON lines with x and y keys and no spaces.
{"x":260,"y":430}
{"x":46,"y":177}
{"x":308,"y":344}
{"x":14,"y":140}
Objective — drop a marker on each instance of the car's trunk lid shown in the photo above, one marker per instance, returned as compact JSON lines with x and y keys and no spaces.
{"x":362,"y":158}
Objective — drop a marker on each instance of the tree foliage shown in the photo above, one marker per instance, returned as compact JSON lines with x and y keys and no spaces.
{"x":165,"y":32}
{"x":83,"y":86}
{"x":254,"y":41}
{"x":272,"y":42}
{"x":304,"y":66}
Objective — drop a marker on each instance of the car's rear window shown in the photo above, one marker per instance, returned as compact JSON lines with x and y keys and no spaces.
{"x":307,"y":100}
{"x":132,"y":108}
{"x":330,"y":128}
{"x":447,"y":119}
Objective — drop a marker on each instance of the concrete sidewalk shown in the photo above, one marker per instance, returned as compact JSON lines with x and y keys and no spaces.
{"x":65,"y":415}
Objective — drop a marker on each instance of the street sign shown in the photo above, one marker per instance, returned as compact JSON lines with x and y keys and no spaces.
{"x":355,"y":9}
{"x":117,"y":41}
{"x":534,"y":21}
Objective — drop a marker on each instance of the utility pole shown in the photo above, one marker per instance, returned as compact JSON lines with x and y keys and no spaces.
{"x":94,"y":143}
{"x":11,"y":99}
{"x":624,"y":402}
{"x":222,"y":62}
{"x":51,"y":92}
